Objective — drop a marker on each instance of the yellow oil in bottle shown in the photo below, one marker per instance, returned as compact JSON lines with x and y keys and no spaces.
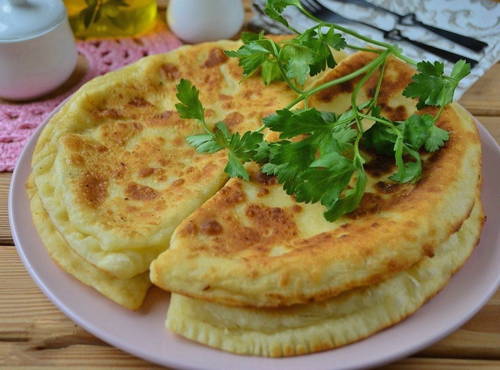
{"x":110,"y":18}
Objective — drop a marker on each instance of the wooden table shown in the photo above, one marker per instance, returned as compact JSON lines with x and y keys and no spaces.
{"x":34,"y":333}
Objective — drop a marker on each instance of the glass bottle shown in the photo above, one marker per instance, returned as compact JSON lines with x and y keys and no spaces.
{"x":110,"y":18}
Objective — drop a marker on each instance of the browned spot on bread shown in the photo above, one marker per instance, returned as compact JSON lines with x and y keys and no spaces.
{"x":109,"y":113}
{"x":296,"y":208}
{"x":232,"y":194}
{"x":356,"y":62}
{"x":233,"y":119}
{"x":216,"y":56}
{"x":140,"y":192}
{"x":146,"y":171}
{"x":387,"y":187}
{"x":428,"y":250}
{"x":275,"y":218}
{"x":178,"y":182}
{"x":262,"y":178}
{"x":165,"y":119}
{"x":263,"y":192}
{"x":170,"y":71}
{"x":395,"y":81}
{"x":370,"y":203}
{"x":139,"y":101}
{"x":94,"y":189}
{"x":284,"y":279}
{"x":189,"y":229}
{"x":393,"y":265}
{"x":165,"y":115}
{"x":119,"y":171}
{"x":77,"y":160}
{"x":211,"y":227}
{"x":178,"y":141}
{"x":380,"y":165}
{"x":398,"y":113}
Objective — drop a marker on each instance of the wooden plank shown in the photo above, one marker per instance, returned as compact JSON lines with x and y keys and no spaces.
{"x":34,"y":332}
{"x":39,"y":334}
{"x":413,"y":363}
{"x":483,"y":98}
{"x":5,"y":237}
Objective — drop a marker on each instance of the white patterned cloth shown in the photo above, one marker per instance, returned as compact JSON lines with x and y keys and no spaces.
{"x":475,"y":18}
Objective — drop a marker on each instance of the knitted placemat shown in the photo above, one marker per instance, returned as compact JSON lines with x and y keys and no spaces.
{"x":19,"y":120}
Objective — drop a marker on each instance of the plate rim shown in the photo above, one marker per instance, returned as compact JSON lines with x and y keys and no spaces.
{"x":17,"y":185}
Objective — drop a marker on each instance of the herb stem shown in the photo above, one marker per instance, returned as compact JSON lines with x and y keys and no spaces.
{"x":379,"y":85}
{"x":205,"y":126}
{"x":403,"y":57}
{"x":376,"y":119}
{"x":283,"y":73}
{"x":359,"y":48}
{"x":345,"y":30}
{"x":337,"y":81}
{"x":261,"y":128}
{"x":394,"y":49}
{"x":438,"y":114}
{"x":354,"y":97}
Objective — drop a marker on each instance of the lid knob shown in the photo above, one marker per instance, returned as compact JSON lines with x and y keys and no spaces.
{"x":25,"y":19}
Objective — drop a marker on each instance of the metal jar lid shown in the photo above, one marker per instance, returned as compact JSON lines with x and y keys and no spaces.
{"x":27,"y":19}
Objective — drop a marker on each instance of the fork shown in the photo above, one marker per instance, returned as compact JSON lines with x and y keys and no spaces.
{"x":410,"y":19}
{"x":321,"y":12}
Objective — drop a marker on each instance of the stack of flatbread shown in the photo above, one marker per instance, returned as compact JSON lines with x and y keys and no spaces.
{"x":116,"y":191}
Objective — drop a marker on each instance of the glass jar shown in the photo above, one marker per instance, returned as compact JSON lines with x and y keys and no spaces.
{"x":110,"y":18}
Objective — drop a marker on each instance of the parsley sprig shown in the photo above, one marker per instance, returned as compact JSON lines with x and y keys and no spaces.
{"x":320,"y":156}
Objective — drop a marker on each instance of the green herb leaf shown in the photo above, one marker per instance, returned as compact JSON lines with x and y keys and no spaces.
{"x":190,"y":105}
{"x":252,"y":55}
{"x":270,"y":71}
{"x":432,"y":87}
{"x":298,"y":61}
{"x":235,"y":168}
{"x":421,"y":131}
{"x":380,"y":138}
{"x":325,"y":179}
{"x":318,"y":157}
{"x":288,"y":160}
{"x":418,"y":129}
{"x":409,"y":171}
{"x":241,"y":148}
{"x":274,"y":8}
{"x":204,"y":143}
{"x":436,"y":139}
{"x":310,"y":53}
{"x":352,"y":197}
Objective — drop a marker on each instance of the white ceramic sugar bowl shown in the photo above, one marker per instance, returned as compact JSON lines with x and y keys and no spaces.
{"x":37,"y":48}
{"x":205,"y":20}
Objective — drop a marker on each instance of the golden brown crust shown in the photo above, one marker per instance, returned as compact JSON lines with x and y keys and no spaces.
{"x":113,"y":167}
{"x":277,"y":259}
{"x":341,"y":320}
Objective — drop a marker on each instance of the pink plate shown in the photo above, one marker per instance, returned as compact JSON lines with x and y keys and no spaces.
{"x":143,"y":333}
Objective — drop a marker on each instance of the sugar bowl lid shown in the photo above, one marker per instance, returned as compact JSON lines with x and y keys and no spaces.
{"x":26,"y":19}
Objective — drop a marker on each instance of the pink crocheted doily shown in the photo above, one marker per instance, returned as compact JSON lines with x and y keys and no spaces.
{"x":19,"y":120}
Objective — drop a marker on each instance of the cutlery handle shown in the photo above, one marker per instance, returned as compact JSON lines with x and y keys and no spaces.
{"x":468,"y":42}
{"x":445,"y":54}
{"x":395,"y":35}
